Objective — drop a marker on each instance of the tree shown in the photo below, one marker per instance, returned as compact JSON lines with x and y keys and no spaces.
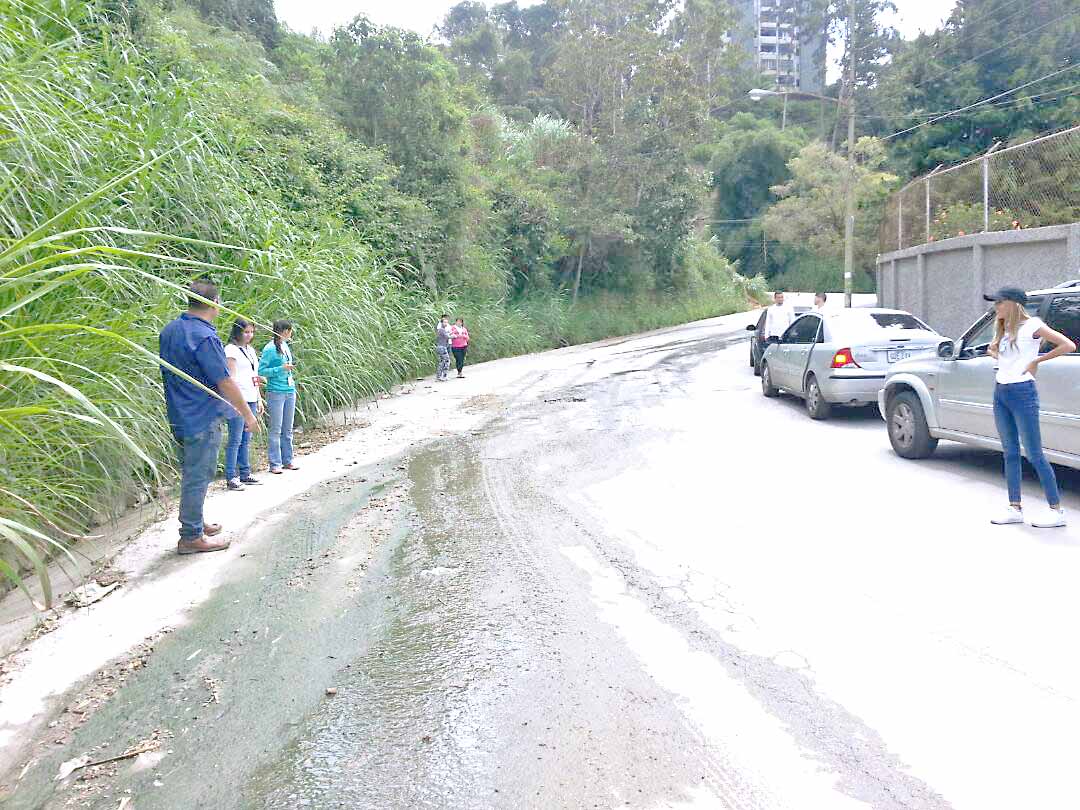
{"x":980,"y":52}
{"x":256,"y":17}
{"x":874,"y":40}
{"x":474,"y":41}
{"x":396,"y":92}
{"x":750,"y":157}
{"x":463,"y":20}
{"x":700,"y":30}
{"x":623,"y":77}
{"x":811,"y":208}
{"x":506,"y":49}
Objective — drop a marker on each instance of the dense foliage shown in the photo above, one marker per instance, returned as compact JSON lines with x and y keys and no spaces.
{"x":144,"y":143}
{"x":915,"y":97}
{"x":984,"y":49}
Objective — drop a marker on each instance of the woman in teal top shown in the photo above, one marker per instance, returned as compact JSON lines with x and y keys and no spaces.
{"x":278,"y":367}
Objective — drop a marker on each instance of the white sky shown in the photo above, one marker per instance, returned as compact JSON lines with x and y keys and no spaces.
{"x":422,"y":15}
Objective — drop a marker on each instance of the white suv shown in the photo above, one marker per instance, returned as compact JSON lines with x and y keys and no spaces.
{"x":951,"y":395}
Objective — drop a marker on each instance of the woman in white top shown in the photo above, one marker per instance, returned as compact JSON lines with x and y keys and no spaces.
{"x":1017,"y":339}
{"x":243,"y":366}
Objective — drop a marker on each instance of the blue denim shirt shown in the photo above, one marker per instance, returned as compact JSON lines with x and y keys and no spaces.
{"x":193,"y":346}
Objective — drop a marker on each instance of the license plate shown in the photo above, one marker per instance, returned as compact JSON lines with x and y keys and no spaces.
{"x":895,"y":355}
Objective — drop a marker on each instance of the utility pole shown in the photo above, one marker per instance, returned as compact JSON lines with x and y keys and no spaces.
{"x":849,"y":204}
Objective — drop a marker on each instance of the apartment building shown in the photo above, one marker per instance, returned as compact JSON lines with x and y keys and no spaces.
{"x":789,"y":57}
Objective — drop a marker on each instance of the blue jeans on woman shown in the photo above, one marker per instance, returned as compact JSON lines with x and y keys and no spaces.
{"x":1016,"y":412}
{"x":237,"y":463}
{"x":198,"y":463}
{"x":282,"y":407}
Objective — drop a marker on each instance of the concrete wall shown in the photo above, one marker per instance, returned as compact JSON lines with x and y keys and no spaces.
{"x":943,"y":282}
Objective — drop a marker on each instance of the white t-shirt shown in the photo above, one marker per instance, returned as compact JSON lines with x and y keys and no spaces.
{"x":247,"y":368}
{"x":1013,"y":359}
{"x":778,"y":319}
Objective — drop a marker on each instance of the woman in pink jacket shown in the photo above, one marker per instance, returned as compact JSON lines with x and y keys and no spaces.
{"x":459,"y":344}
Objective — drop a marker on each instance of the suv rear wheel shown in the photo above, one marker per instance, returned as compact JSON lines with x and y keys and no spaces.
{"x":908,"y":432}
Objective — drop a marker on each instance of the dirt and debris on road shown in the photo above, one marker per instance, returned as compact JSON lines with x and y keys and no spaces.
{"x":210,"y":681}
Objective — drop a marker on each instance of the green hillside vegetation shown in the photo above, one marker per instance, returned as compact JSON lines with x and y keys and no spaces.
{"x":357,"y":185}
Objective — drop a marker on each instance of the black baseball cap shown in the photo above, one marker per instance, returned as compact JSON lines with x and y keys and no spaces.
{"x":1008,"y":294}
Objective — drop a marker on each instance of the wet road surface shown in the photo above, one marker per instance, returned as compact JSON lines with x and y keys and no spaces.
{"x":641,"y":585}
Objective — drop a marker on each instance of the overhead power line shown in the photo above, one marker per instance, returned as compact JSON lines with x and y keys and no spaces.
{"x":1046,"y":97}
{"x":987,"y":14}
{"x":995,"y":49}
{"x":984,"y":101}
{"x":1012,"y":41}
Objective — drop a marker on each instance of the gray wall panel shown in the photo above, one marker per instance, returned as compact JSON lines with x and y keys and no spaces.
{"x":947,"y":292}
{"x":1033,"y":265}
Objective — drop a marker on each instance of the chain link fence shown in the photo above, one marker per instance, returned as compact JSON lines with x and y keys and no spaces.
{"x":1024,"y":186}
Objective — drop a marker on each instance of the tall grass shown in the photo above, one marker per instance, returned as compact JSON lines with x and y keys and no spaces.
{"x":118,"y":185}
{"x":552,"y":321}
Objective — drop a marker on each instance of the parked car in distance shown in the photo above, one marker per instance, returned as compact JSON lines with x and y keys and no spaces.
{"x":841,"y":357}
{"x":757,"y":341}
{"x":950,"y":395}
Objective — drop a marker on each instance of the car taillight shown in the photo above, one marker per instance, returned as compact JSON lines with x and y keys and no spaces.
{"x":844,"y":359}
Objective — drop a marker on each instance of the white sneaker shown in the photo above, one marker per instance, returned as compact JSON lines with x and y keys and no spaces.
{"x":1010,"y":515}
{"x":1049,"y":519}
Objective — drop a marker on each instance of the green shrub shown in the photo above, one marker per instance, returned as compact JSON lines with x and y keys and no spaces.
{"x":812,"y":274}
{"x":962,"y":219}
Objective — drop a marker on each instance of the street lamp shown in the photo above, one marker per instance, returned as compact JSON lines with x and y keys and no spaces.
{"x":757,"y":94}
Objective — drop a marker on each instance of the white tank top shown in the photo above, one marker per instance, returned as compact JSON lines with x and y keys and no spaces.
{"x":1014,"y":358}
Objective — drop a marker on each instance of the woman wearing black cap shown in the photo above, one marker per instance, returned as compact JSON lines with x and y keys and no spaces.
{"x":1017,"y":338}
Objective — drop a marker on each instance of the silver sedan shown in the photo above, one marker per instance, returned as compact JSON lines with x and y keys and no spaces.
{"x":841,"y":357}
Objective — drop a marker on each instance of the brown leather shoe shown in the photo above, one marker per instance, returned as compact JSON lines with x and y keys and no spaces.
{"x":211,"y":529}
{"x":290,"y":466}
{"x":200,"y":545}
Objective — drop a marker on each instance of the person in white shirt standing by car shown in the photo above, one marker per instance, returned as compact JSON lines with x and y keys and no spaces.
{"x":778,"y":318}
{"x":1017,"y":338}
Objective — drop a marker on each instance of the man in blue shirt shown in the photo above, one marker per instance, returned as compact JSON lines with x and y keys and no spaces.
{"x":190,"y":344}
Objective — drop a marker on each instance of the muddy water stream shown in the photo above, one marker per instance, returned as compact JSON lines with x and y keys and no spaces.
{"x":494,"y":685}
{"x":225,"y":690}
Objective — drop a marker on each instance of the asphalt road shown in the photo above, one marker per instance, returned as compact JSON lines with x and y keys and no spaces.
{"x":641,"y":585}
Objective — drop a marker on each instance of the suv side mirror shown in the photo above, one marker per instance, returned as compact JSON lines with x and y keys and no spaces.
{"x":751,"y":327}
{"x":946,"y":350}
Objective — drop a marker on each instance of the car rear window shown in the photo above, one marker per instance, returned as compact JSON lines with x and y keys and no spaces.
{"x":854,"y":325}
{"x":1064,"y":316}
{"x":897,"y":320}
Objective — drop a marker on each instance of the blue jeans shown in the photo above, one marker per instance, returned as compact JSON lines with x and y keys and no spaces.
{"x":236,"y":448}
{"x":282,"y":408}
{"x":198,"y":463}
{"x":1016,"y":411}
{"x":442,"y":368}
